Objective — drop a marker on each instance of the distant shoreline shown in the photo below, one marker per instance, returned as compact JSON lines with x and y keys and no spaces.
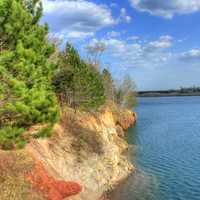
{"x":166,"y":94}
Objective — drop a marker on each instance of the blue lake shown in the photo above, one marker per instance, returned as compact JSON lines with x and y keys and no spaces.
{"x":165,"y":148}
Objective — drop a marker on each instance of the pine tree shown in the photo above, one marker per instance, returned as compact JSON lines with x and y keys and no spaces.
{"x":108,"y":84}
{"x":26,"y":95}
{"x":81,"y":84}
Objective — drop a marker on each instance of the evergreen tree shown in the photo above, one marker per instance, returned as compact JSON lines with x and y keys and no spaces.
{"x":26,"y":95}
{"x":81,"y":84}
{"x":108,"y":84}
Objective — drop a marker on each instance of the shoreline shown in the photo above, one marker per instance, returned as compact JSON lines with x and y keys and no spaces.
{"x":87,"y":149}
{"x":103,"y":145}
{"x":168,"y":95}
{"x":111,"y":193}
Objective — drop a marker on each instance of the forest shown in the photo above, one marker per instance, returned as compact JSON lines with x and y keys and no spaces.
{"x":39,"y":78}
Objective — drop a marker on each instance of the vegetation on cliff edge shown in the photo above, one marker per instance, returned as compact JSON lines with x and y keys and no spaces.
{"x":36,"y":84}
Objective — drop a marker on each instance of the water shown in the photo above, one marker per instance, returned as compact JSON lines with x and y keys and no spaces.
{"x":166,"y":151}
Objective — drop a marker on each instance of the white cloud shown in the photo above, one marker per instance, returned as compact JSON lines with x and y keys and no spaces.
{"x":113,"y":34}
{"x":134,"y":37}
{"x":124,"y":16}
{"x":166,"y":8}
{"x":193,"y":54}
{"x":162,"y":43}
{"x":133,"y":54}
{"x":76,"y":18}
{"x":120,"y":47}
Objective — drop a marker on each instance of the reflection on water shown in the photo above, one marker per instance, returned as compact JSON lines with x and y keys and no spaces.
{"x":165,"y":148}
{"x":138,"y":187}
{"x":140,"y":184}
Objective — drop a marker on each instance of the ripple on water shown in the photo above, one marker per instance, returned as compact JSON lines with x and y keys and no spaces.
{"x":166,"y":151}
{"x":138,"y":187}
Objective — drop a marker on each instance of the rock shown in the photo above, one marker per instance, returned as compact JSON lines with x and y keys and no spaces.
{"x":87,"y":149}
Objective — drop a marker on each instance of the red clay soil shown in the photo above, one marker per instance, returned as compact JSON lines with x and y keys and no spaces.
{"x":50,"y":188}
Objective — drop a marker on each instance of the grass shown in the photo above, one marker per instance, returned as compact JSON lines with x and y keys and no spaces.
{"x":13,"y":185}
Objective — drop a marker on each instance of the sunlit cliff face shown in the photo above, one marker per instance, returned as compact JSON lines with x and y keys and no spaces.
{"x":87,"y":150}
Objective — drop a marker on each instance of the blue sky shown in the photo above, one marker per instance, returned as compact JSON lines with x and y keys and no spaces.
{"x":154,"y":41}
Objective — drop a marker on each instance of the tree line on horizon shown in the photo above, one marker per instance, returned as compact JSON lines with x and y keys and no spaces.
{"x":193,"y":89}
{"x":38,"y":79}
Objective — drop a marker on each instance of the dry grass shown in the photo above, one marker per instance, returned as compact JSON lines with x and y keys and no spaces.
{"x":13,"y":185}
{"x":84,"y":139}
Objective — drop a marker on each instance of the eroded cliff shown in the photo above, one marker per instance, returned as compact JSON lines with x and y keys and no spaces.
{"x":88,"y":149}
{"x":86,"y":153}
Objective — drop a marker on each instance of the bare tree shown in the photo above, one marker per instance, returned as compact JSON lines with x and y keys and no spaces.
{"x":56,"y":41}
{"x":95,"y":52}
{"x":125,"y":93}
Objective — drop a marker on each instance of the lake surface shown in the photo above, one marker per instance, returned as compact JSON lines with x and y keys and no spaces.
{"x":165,"y":147}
